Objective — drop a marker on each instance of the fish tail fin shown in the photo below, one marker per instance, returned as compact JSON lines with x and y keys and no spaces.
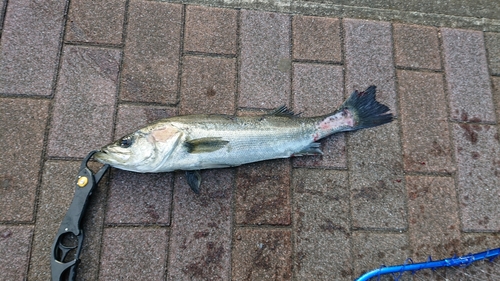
{"x":366,"y":110}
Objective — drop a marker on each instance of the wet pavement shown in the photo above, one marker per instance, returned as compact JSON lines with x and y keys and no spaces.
{"x":75,"y":76}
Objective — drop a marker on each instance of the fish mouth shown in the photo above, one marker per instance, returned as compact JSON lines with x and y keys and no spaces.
{"x":112,"y":156}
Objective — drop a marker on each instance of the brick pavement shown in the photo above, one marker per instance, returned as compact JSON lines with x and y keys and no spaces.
{"x":429,"y":183}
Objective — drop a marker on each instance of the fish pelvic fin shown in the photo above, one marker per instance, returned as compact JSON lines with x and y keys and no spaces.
{"x":194,"y":180}
{"x":366,"y":110}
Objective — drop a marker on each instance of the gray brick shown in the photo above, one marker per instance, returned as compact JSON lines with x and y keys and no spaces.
{"x":211,"y":30}
{"x":477,"y":149}
{"x":84,"y":101}
{"x":424,"y":122}
{"x":30,"y":47}
{"x":492,"y":41}
{"x":134,"y":254}
{"x":96,"y":21}
{"x":23,"y":127}
{"x":200,"y":244}
{"x":208,"y":85}
{"x":496,"y":93}
{"x":321,"y":225}
{"x":374,"y":155}
{"x":317,"y":90}
{"x":263,"y":193}
{"x":316,"y":38}
{"x":467,"y":76}
{"x":151,"y":55}
{"x":265,"y":60}
{"x":14,"y":251}
{"x":434,"y":226}
{"x":262,"y":254}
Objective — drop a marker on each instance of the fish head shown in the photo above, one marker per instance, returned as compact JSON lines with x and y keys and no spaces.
{"x":142,"y":151}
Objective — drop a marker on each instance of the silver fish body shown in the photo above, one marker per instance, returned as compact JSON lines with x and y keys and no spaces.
{"x":195,"y":142}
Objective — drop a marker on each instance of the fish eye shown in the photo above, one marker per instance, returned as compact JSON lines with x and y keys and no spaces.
{"x":126,"y":142}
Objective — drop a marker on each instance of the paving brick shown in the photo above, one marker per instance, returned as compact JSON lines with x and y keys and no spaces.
{"x":416,"y":46}
{"x":434,"y":226}
{"x":151,"y":55}
{"x":374,"y":155}
{"x":30,"y":47}
{"x":479,"y":242}
{"x":492,"y":41}
{"x":136,"y":198}
{"x":478,"y":168}
{"x":316,"y":38}
{"x":372,"y":250}
{"x":95,"y":21}
{"x":14,"y":251}
{"x":467,"y":75}
{"x":262,"y":254}
{"x":265,"y":60}
{"x":57,"y":190}
{"x":424,"y":122}
{"x":263,"y":193}
{"x":369,"y":58}
{"x":208,"y":85}
{"x":23,"y":126}
{"x":321,"y":225}
{"x":130,"y":118}
{"x":211,"y":30}
{"x":318,"y":90}
{"x":496,"y":93}
{"x":134,"y":253}
{"x":84,"y":101}
{"x":200,"y":244}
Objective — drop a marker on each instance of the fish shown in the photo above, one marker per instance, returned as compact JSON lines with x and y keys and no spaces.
{"x":207,"y":141}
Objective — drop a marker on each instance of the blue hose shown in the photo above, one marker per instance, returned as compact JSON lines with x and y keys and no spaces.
{"x":454,"y":261}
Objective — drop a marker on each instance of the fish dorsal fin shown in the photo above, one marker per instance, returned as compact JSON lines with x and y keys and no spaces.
{"x":205,"y":145}
{"x":283,"y":111}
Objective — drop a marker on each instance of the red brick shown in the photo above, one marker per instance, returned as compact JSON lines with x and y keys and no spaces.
{"x":434,"y":225}
{"x":317,"y":90}
{"x":416,"y":46}
{"x":134,"y":253}
{"x":136,"y":198}
{"x":30,"y":47}
{"x":424,"y":122}
{"x":95,"y":21}
{"x":265,"y":60}
{"x":263,"y":193}
{"x":14,"y":251}
{"x":23,"y":127}
{"x":200,"y":244}
{"x":84,"y":101}
{"x":477,"y":149}
{"x":321,"y":223}
{"x":130,"y":118}
{"x":211,"y":30}
{"x":262,"y":254}
{"x":151,"y":54}
{"x":208,"y":85}
{"x":316,"y":38}
{"x":467,"y":76}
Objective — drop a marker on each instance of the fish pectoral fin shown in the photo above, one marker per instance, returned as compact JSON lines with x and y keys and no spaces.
{"x":194,"y":180}
{"x":311,"y":149}
{"x":205,"y":145}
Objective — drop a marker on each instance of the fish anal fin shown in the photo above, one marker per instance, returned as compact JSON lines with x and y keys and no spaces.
{"x":203,"y":145}
{"x":283,"y":111}
{"x":194,"y":180}
{"x":312,"y":149}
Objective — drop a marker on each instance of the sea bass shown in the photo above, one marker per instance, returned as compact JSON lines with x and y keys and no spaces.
{"x":195,"y":142}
